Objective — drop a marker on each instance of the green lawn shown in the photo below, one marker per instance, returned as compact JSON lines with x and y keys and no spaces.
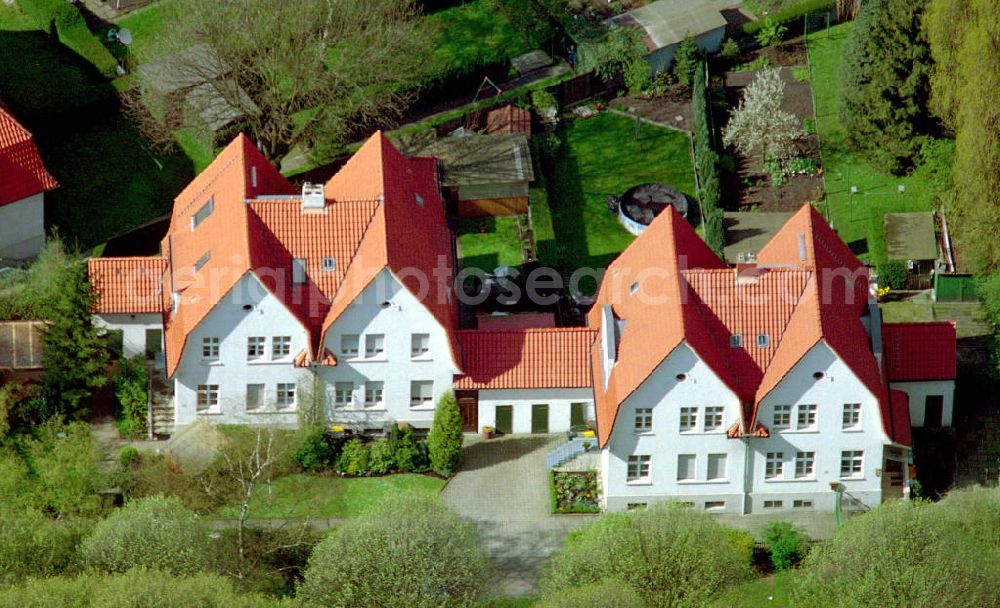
{"x":145,"y":25}
{"x":600,"y":156}
{"x":486,"y":243}
{"x":299,"y":496}
{"x":13,"y":18}
{"x":472,"y":35}
{"x":769,"y":592}
{"x":858,"y":217}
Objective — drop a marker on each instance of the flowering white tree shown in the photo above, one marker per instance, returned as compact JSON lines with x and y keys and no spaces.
{"x":758,"y":126}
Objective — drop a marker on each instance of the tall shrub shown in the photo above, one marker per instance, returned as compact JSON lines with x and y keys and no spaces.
{"x":445,"y":439}
{"x":687,"y":60}
{"x":786,"y":544}
{"x":132,"y":392}
{"x":707,"y":166}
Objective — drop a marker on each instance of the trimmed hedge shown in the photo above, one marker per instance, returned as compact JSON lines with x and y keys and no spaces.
{"x":707,"y":165}
{"x":64,"y":19}
{"x":791,"y":13}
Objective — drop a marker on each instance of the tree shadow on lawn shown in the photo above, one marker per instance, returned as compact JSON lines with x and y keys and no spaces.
{"x":109,"y":179}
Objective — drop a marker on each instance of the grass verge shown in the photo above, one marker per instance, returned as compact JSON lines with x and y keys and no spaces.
{"x":488,"y":242}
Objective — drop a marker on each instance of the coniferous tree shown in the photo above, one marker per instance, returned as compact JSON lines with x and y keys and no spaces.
{"x":444,"y":442}
{"x":885,"y":83}
{"x":687,"y":61}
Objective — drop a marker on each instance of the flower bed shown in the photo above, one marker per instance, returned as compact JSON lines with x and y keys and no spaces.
{"x":574,"y":491}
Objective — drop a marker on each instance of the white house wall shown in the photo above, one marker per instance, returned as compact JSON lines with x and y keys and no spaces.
{"x":666,"y":394}
{"x":559,"y":401}
{"x":22,"y":227}
{"x":133,"y":328}
{"x":267,"y":316}
{"x":386,"y":307}
{"x":918,"y":393}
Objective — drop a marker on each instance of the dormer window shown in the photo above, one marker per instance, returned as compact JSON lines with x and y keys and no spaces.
{"x":634,"y":287}
{"x":736,"y":341}
{"x":298,"y":271}
{"x":205,"y":211}
{"x":419,"y":199}
{"x":203,"y":260}
{"x":763,"y":341}
{"x":329,"y":264}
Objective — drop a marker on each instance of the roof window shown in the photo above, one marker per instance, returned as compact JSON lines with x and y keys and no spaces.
{"x":419,"y":199}
{"x":201,"y":214}
{"x":329,"y":264}
{"x":763,"y":341}
{"x":298,"y":271}
{"x":634,"y":287}
{"x":736,"y":341}
{"x":202,"y":260}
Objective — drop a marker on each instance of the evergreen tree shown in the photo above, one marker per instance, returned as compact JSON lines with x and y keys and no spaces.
{"x":687,"y":61}
{"x":444,"y":442}
{"x":885,"y":83}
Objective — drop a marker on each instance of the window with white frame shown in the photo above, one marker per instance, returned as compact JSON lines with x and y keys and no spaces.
{"x":421,"y":393}
{"x":373,"y":394}
{"x":643,"y":420}
{"x":774,"y":465}
{"x":638,"y":467}
{"x":255,"y":397}
{"x":210,"y":349}
{"x":284,"y":397}
{"x":773,"y":504}
{"x":208,"y":397}
{"x":736,"y":341}
{"x":851,"y":464}
{"x":349,"y":345}
{"x":689,"y":419}
{"x":713,"y":418}
{"x":255,"y":348}
{"x":374,"y":346}
{"x":806,"y":420}
{"x":763,"y":341}
{"x":802,"y":504}
{"x":686,"y":467}
{"x":281,"y":347}
{"x":202,"y":214}
{"x":782,"y":417}
{"x":716,"y":467}
{"x":329,"y":264}
{"x":852,"y":416}
{"x":420,"y":346}
{"x":343,"y":394}
{"x":805,"y":463}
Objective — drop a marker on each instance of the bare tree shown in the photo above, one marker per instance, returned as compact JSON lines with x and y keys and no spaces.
{"x":759,"y":126}
{"x":291,"y":71}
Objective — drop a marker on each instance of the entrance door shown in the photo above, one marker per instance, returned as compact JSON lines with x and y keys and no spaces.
{"x":469,"y":406}
{"x":933,"y":411}
{"x":505,"y":419}
{"x":577,"y":416}
{"x":540,"y":418}
{"x":154,"y":342}
{"x":892,"y":479}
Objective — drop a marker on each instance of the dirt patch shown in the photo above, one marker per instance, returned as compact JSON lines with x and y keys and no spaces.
{"x":672,"y":108}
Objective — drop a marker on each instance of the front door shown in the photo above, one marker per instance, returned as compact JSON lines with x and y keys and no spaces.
{"x":933,"y":411}
{"x":540,"y":418}
{"x":505,"y":419}
{"x":577,"y":416}
{"x":892,"y":479}
{"x":154,"y":342}
{"x":468,"y":404}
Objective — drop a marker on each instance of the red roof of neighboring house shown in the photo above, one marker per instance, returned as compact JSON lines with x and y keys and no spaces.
{"x":127,"y":285}
{"x":526,"y":358}
{"x":899,"y":419}
{"x":22,"y":173}
{"x":919,"y":351}
{"x":508,"y":119}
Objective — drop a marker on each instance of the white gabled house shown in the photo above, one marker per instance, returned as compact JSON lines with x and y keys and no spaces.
{"x":23,"y":184}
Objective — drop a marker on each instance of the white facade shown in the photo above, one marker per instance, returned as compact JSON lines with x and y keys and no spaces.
{"x":522,"y":401}
{"x":22,"y":227}
{"x":138,"y":330}
{"x":918,"y":393}
{"x":387,"y":311}
{"x":703,"y":466}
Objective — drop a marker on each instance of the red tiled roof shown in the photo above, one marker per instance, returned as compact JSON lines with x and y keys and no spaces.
{"x":898,"y":422}
{"x":526,"y":358}
{"x":22,"y":173}
{"x":127,"y":285}
{"x":919,"y":351}
{"x":508,"y":119}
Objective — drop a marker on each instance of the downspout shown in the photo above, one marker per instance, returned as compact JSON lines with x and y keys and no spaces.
{"x":747,"y":474}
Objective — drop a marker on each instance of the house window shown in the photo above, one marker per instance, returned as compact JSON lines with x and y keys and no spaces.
{"x":210,"y":349}
{"x":298,"y":271}
{"x":636,"y":506}
{"x":329,"y":264}
{"x":349,"y":345}
{"x":774,"y":465}
{"x":255,"y":397}
{"x":281,"y":347}
{"x":685,"y":467}
{"x":716,"y":467}
{"x":782,"y":417}
{"x":285,"y":395}
{"x":763,"y":341}
{"x":643,"y":420}
{"x":634,"y":287}
{"x":715,"y":505}
{"x":638,"y":468}
{"x":689,"y":419}
{"x":255,"y":348}
{"x":202,"y":260}
{"x":208,"y":397}
{"x":420,"y":346}
{"x":200,"y":215}
{"x":713,"y":418}
{"x":421,"y":392}
{"x":736,"y":341}
{"x":773,"y":504}
{"x":374,"y":346}
{"x":419,"y":200}
{"x":852,"y":415}
{"x":343,"y":394}
{"x":802,"y":504}
{"x":804,"y":464}
{"x":807,"y":418}
{"x":373,"y":394}
{"x":851,"y":464}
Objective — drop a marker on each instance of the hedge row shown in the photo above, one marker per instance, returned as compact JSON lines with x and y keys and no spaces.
{"x":65,"y":20}
{"x":789,"y":14}
{"x":707,"y":165}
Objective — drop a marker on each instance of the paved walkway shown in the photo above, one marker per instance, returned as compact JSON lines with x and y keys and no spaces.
{"x":503,"y":489}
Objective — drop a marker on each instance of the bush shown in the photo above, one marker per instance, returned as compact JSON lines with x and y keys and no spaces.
{"x":977,"y":511}
{"x":132,"y":392}
{"x":687,"y":60}
{"x":574,"y":492}
{"x":127,"y":455}
{"x":542,"y":99}
{"x":730,"y":49}
{"x":354,"y":458}
{"x":444,"y":442}
{"x":156,"y":532}
{"x":66,"y":462}
{"x":786,"y":544}
{"x":638,"y":77}
{"x":605,"y":594}
{"x":380,"y":457}
{"x":314,"y":452}
{"x":669,"y":554}
{"x":892,"y":274}
{"x":410,"y":455}
{"x":771,"y":32}
{"x":34,"y":545}
{"x":408,"y":551}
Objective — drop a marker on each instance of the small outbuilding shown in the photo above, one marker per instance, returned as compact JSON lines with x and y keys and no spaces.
{"x":910,"y":237}
{"x":665,"y":23}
